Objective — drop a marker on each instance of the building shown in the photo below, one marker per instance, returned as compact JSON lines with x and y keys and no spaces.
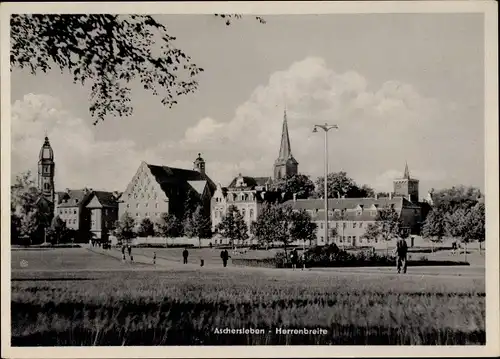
{"x":155,"y":189}
{"x":103,"y":213}
{"x":88,"y":211}
{"x":285,"y":165}
{"x":407,"y":187}
{"x":351,"y":216}
{"x":247,"y":193}
{"x":46,"y":171}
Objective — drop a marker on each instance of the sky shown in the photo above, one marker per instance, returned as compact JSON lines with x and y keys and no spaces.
{"x":400,"y":87}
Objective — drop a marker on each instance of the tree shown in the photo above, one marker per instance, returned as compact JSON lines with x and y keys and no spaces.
{"x":29,"y":210}
{"x":334,"y":232}
{"x":233,"y":226}
{"x":477,"y":222}
{"x":169,"y":226}
{"x":125,"y":228}
{"x":387,"y":226}
{"x":340,"y":185}
{"x":298,"y":184}
{"x":57,"y":230}
{"x":450,"y":199}
{"x":201,"y":225}
{"x":146,"y":228}
{"x":302,"y":229}
{"x":262,"y":228}
{"x":434,"y":226}
{"x":108,"y":51}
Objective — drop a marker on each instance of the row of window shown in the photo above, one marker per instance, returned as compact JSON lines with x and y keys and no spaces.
{"x":344,"y":225}
{"x":137,"y":205}
{"x":220,"y":213}
{"x":349,"y":239}
{"x":74,"y":211}
{"x":70,"y":221}
{"x":143,"y":195}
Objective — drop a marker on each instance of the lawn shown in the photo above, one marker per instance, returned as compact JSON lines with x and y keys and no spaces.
{"x":184,"y":306}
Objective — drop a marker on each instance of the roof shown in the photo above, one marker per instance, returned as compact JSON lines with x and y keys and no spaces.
{"x":250,"y":182}
{"x":350,"y":203}
{"x":107,"y":199}
{"x":170,"y":177}
{"x":73,"y":197}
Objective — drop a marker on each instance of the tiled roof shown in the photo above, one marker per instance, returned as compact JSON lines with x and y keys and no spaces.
{"x":73,"y":197}
{"x":171,"y":178}
{"x":251,"y":182}
{"x":351,"y":203}
{"x":107,"y":199}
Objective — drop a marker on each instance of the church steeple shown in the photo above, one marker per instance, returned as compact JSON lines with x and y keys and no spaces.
{"x":286,"y":164}
{"x":285,"y":148}
{"x":46,"y":171}
{"x":407,"y":172}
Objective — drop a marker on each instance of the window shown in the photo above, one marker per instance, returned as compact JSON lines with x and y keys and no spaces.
{"x":137,"y":214}
{"x":354,"y":225}
{"x":65,"y":211}
{"x":60,"y":211}
{"x":243,"y":212}
{"x":344,"y":225}
{"x":361,"y":225}
{"x":322,"y":239}
{"x":147,"y":214}
{"x":336,"y":224}
{"x":156,"y":205}
{"x":74,"y":211}
{"x":146,"y":204}
{"x":321,"y":226}
{"x":137,"y":205}
{"x":251,"y":213}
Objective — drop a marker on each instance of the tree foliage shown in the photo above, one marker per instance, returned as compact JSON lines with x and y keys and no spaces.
{"x":201,"y":224}
{"x":30,"y":212}
{"x":146,"y":228}
{"x":125,"y":227}
{"x":298,"y":184}
{"x":169,"y":226}
{"x":233,"y":226}
{"x":341,"y":185}
{"x":434,"y":226}
{"x":57,"y":230}
{"x":451,"y":199}
{"x":108,"y":51}
{"x":280,"y":223}
{"x":387,"y":226}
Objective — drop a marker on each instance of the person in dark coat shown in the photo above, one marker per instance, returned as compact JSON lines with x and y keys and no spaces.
{"x":294,"y":257}
{"x":224,"y":256}
{"x":154,"y":257}
{"x":185,"y":255}
{"x":401,"y":252}
{"x":123,"y":251}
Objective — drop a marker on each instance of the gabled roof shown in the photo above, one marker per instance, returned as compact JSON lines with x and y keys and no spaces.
{"x":351,"y":203}
{"x":172,"y":179}
{"x":73,"y":197}
{"x":106,"y":199}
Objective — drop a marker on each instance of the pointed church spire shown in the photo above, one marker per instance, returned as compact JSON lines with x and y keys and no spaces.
{"x":407,"y":172}
{"x":285,"y":148}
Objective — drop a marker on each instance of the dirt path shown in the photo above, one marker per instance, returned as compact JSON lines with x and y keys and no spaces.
{"x":165,"y":264}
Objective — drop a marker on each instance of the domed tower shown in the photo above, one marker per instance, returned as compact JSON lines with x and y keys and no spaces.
{"x":46,"y":171}
{"x":285,"y":165}
{"x":199,"y":164}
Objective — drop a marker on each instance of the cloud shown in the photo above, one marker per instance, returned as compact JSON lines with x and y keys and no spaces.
{"x":380,"y":127}
{"x":81,"y":159}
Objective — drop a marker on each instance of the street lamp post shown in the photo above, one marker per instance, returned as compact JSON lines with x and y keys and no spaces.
{"x":326,"y":127}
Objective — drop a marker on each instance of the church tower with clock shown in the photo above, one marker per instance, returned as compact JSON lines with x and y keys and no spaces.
{"x":407,"y":187}
{"x":46,"y":171}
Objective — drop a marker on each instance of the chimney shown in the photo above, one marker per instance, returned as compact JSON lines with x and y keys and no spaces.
{"x":295,"y":197}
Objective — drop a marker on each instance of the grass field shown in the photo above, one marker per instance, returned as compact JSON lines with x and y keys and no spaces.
{"x":75,"y":297}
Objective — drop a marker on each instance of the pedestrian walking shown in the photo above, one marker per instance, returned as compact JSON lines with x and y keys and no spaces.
{"x":123,"y":251}
{"x":401,"y":252}
{"x":294,"y":258}
{"x":154,"y":257}
{"x":224,"y":256}
{"x":185,"y":255}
